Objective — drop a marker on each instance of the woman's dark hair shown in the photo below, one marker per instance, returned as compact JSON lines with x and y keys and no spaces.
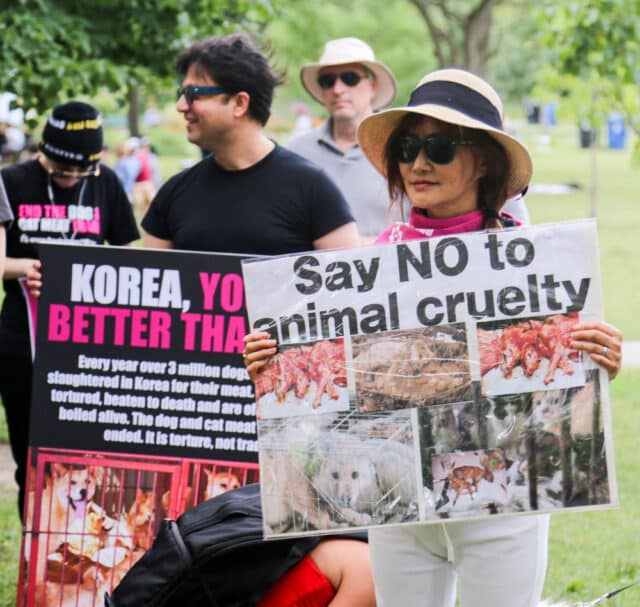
{"x":492,"y":187}
{"x":236,"y":64}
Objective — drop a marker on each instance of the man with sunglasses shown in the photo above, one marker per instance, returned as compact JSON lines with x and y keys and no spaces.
{"x":250,"y":195}
{"x":63,"y":195}
{"x":351,"y":85}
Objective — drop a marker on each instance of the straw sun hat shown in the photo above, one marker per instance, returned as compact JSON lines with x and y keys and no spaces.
{"x":457,"y":97}
{"x":344,"y":51}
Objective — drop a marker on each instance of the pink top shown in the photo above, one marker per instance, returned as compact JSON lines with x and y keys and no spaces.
{"x":420,"y":226}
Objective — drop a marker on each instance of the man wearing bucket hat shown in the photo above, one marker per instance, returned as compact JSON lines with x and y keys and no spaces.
{"x":447,"y":153}
{"x":63,"y":195}
{"x":351,"y":84}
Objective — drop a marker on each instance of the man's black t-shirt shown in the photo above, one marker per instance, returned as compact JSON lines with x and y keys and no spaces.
{"x":93,"y":211}
{"x":280,"y":205}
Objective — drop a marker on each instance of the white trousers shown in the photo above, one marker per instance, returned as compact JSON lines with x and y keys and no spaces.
{"x":497,"y":562}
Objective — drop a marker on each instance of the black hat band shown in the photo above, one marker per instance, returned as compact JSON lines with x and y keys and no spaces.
{"x":457,"y":97}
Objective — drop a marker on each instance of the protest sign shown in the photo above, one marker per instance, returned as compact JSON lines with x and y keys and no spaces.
{"x":141,"y":408}
{"x":431,"y":380}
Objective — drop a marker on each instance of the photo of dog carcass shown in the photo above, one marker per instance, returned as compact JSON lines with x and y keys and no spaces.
{"x":418,"y":367}
{"x":470,"y":482}
{"x":323,"y":473}
{"x":302,"y":379}
{"x":528,"y":354}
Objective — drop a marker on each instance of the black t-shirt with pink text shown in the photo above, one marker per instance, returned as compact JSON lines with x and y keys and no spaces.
{"x":95,"y":210}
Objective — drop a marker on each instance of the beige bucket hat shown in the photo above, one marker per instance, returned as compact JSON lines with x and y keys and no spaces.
{"x":457,"y":97}
{"x":342,"y":52}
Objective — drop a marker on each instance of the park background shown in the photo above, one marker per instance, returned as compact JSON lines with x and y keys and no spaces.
{"x":569,"y":71}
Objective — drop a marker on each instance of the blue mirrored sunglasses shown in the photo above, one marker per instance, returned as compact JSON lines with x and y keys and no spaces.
{"x":192,"y":92}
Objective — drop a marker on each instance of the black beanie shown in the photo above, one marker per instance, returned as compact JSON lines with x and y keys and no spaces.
{"x":73,"y":134}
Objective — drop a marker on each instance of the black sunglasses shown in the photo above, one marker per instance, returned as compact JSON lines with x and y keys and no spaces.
{"x":192,"y":92}
{"x":326,"y":81}
{"x":439,"y":149}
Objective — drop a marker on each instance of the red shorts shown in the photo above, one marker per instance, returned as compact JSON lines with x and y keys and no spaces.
{"x":303,"y":586}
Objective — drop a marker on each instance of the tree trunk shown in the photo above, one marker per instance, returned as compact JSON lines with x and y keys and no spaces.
{"x":477,"y":37}
{"x":459,"y":39}
{"x":133,"y":112}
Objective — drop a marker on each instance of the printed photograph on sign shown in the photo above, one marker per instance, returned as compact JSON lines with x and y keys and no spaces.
{"x":547,"y":448}
{"x":528,"y":355}
{"x":468,"y":481}
{"x":304,"y":379}
{"x":331,"y":472}
{"x":401,"y":369}
{"x":91,"y":516}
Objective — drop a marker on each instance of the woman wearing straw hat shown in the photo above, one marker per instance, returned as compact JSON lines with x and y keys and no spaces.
{"x":448,"y":154}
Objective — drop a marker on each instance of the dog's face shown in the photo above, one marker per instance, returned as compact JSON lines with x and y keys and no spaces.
{"x":142,"y":510}
{"x":220,"y":482}
{"x":74,"y":487}
{"x":343,"y":479}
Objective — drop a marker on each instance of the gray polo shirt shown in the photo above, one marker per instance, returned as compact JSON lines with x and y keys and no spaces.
{"x":363,"y":187}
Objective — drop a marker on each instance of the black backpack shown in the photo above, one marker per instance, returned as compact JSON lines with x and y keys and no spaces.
{"x":214,"y":555}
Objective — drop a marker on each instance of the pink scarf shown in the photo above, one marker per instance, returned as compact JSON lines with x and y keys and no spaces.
{"x":420,"y":226}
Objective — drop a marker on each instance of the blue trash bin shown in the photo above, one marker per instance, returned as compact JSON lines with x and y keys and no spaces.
{"x":617,"y":131}
{"x":550,"y":114}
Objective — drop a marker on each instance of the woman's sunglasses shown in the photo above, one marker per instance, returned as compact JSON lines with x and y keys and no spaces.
{"x":327,"y":81}
{"x":439,"y":149}
{"x":192,"y":92}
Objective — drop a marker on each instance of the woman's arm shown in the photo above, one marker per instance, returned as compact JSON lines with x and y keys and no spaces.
{"x":345,"y":563}
{"x":17,"y":267}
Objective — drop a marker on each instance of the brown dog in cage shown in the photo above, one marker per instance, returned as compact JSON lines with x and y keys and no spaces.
{"x":220,"y":482}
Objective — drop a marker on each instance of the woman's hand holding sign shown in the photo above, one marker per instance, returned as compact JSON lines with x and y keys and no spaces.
{"x":258,"y":349}
{"x":602,"y":341}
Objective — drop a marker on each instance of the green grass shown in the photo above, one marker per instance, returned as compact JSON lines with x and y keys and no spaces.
{"x":594,"y":552}
{"x":9,"y":548}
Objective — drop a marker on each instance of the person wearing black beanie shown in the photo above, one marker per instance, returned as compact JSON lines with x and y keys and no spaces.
{"x":64,"y":195}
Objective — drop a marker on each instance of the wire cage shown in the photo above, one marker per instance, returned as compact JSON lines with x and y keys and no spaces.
{"x":89,"y":517}
{"x":332,"y":472}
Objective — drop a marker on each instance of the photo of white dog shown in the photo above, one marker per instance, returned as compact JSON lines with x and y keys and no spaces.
{"x":326,"y":473}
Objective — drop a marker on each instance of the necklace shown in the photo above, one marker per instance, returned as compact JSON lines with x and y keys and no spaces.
{"x":79,"y":203}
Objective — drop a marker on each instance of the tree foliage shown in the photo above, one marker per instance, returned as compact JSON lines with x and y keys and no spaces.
{"x":598,"y":43}
{"x":53,"y":50}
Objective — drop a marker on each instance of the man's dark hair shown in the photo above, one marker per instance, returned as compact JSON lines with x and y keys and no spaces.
{"x":236,"y":64}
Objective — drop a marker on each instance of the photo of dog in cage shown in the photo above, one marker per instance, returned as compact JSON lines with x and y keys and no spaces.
{"x":91,"y":517}
{"x":401,"y":369}
{"x":94,"y":521}
{"x":528,"y":354}
{"x":304,"y":378}
{"x":324,"y":473}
